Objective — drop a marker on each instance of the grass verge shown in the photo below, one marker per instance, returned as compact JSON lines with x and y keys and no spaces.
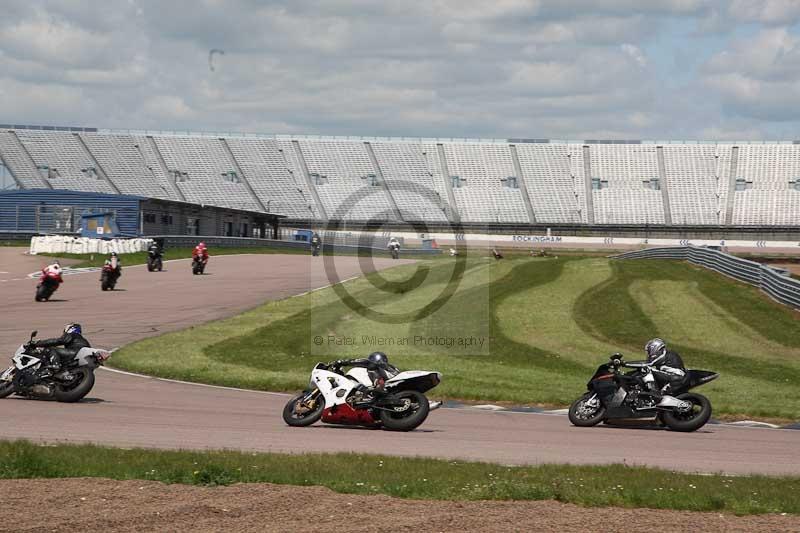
{"x":592,"y":486}
{"x":548,"y":323}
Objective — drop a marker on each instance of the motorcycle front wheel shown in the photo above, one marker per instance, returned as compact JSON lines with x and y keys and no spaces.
{"x":77,"y":388}
{"x":691,"y":420}
{"x":583,"y":415}
{"x":303,"y":410}
{"x":41,"y":293}
{"x":410,"y":412}
{"x":6,"y":389}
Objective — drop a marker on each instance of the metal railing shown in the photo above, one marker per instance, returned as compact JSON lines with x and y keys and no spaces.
{"x":777,"y":284}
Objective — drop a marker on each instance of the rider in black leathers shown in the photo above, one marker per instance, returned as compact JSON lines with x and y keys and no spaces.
{"x":72,"y":341}
{"x":667,"y":366}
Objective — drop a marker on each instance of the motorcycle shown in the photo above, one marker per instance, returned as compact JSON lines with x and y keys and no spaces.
{"x":616,"y":394}
{"x":48,"y":284}
{"x":315,"y":246}
{"x":336,"y":397}
{"x":154,"y":261}
{"x":27,"y":376}
{"x":109,"y":277}
{"x":395,"y":251}
{"x":198,"y":264}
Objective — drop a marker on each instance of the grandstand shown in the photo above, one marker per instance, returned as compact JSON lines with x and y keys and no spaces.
{"x":475,"y":181}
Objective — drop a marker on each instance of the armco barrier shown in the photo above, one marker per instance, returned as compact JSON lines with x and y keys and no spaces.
{"x":187,"y":241}
{"x":775,"y":284}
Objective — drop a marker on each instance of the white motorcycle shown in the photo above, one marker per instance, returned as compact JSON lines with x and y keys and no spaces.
{"x":343,"y":398}
{"x":27,"y":376}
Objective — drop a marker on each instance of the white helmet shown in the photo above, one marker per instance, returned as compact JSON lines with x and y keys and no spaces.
{"x":656,"y":350}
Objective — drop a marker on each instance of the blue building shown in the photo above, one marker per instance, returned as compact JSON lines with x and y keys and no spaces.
{"x":59,"y":211}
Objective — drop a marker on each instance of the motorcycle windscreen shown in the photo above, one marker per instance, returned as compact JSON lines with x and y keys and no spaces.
{"x":605,"y":388}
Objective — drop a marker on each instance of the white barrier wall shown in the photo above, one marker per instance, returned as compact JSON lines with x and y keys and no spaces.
{"x":59,"y":244}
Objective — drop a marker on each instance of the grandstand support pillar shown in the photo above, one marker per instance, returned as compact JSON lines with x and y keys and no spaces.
{"x":587,"y":179}
{"x":731,"y":186}
{"x":29,"y":157}
{"x":97,"y":166}
{"x":379,"y":173}
{"x":662,"y":181}
{"x":240,"y":173}
{"x":170,"y":176}
{"x":13,"y":176}
{"x":311,"y":185}
{"x":452,"y":214}
{"x":523,"y":188}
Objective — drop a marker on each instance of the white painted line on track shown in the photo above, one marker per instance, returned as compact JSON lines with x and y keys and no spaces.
{"x":284,"y":394}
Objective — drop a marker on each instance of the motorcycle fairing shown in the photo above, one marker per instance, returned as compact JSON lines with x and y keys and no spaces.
{"x":22,"y":360}
{"x":418,"y":380}
{"x":335,"y":388}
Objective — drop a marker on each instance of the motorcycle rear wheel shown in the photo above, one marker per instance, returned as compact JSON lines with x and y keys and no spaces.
{"x":78,"y":388}
{"x":585,"y":420}
{"x":292,"y":418}
{"x":411,"y":418}
{"x":693,"y":420}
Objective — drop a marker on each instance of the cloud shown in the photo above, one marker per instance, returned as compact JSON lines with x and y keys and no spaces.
{"x":468,"y":68}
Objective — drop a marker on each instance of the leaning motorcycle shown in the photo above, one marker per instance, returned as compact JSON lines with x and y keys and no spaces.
{"x":198,"y":264}
{"x":154,"y":261}
{"x":28,"y":377}
{"x":616,"y":394}
{"x":109,"y":277}
{"x":336,"y":397}
{"x":48,"y":284}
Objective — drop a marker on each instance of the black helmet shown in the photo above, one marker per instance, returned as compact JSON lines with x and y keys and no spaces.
{"x":378,"y":359}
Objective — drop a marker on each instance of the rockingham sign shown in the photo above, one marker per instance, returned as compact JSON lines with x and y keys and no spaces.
{"x":536,"y":238}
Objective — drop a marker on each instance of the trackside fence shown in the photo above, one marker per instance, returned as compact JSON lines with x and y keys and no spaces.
{"x":777,"y":284}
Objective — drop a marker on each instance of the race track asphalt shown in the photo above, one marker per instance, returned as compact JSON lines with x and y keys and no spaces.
{"x":126,"y":410}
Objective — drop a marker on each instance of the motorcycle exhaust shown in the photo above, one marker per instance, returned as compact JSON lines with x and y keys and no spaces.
{"x":41,"y":390}
{"x":435,"y":405}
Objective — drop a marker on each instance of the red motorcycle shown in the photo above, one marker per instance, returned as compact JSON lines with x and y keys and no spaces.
{"x":109,"y":277}
{"x":199,"y":261}
{"x":49,"y":282}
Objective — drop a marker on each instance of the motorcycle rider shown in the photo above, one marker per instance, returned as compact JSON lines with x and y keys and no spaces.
{"x":200,"y":251}
{"x":115,"y":263}
{"x":666,"y":365}
{"x":316,"y":244}
{"x":154,"y":249}
{"x":53,"y":270}
{"x":72,"y":341}
{"x":378,"y":368}
{"x":394,"y":245}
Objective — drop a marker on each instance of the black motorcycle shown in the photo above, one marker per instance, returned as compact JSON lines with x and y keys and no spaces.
{"x":29,"y":377}
{"x":617,"y":394}
{"x":109,"y":278}
{"x":154,"y":261}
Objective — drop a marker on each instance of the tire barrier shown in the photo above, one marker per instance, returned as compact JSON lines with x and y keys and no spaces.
{"x":777,"y":284}
{"x":64,"y":244}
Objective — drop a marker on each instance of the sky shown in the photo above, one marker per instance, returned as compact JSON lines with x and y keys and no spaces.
{"x":564,"y":69}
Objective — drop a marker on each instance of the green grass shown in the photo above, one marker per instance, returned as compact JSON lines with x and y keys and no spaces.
{"x":15,"y":243}
{"x":613,"y":485}
{"x":547,"y":324}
